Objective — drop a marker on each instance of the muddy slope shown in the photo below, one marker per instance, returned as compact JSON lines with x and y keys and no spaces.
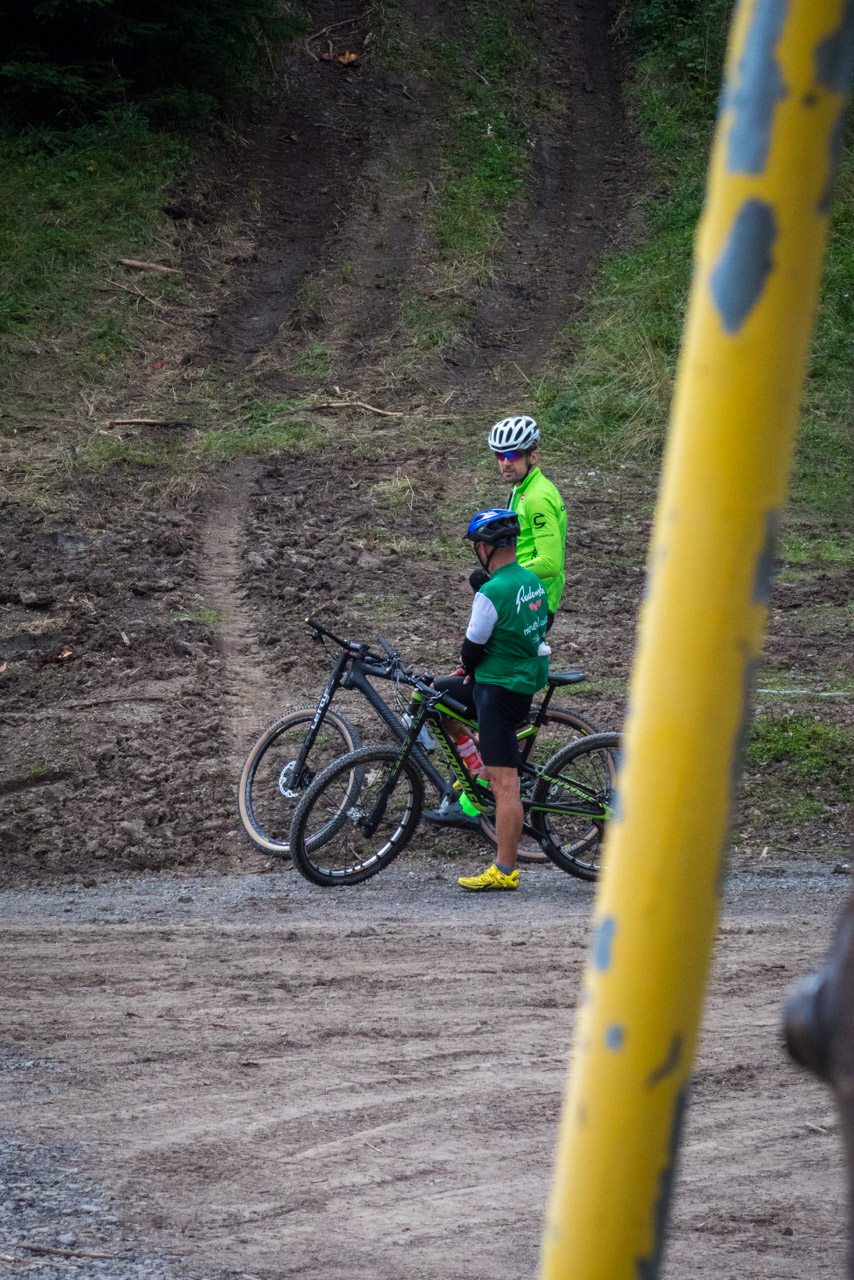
{"x":144,"y":620}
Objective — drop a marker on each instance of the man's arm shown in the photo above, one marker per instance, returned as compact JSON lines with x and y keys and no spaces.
{"x":481,"y":625}
{"x":547,"y":561}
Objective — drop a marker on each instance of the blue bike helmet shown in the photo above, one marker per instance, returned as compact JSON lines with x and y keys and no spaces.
{"x":498,"y":527}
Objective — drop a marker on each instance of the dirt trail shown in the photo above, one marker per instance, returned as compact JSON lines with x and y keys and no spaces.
{"x":578,"y":198}
{"x":263,"y":1079}
{"x":246,"y":684}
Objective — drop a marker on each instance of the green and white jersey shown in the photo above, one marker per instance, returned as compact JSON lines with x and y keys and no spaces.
{"x":509,"y":615}
{"x":542,"y":537}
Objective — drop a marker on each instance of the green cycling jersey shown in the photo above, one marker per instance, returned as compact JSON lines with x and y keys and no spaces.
{"x":542,"y":537}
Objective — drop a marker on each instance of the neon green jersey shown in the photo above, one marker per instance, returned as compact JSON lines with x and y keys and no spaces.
{"x":542,"y":537}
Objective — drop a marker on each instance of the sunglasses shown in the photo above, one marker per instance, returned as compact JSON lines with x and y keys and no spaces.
{"x":513,"y":456}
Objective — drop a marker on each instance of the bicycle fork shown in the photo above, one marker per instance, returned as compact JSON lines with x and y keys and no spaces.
{"x":298,"y":779}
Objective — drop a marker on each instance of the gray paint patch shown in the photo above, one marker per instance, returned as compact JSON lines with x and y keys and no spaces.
{"x":614,"y":1037}
{"x":764,"y":575}
{"x":836,"y":143}
{"x":668,"y":1066}
{"x":760,"y":88}
{"x":834,"y":55}
{"x":739,"y":276}
{"x":603,"y":943}
{"x":650,"y":1268}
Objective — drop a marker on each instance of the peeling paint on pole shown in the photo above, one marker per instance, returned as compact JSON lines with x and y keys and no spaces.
{"x":758,"y":264}
{"x":759,"y":90}
{"x":745,"y":264}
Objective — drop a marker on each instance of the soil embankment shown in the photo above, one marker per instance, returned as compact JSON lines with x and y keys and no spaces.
{"x":149,"y":628}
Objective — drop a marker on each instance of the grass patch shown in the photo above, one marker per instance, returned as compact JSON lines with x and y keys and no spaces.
{"x":800,"y":549}
{"x":485,"y":69}
{"x":266,"y":429}
{"x":225,"y":444}
{"x":208,"y":617}
{"x":435,"y":322}
{"x":492,"y":68}
{"x":73,"y":203}
{"x":102,"y":451}
{"x":381,"y":608}
{"x":810,"y":750}
{"x":614,"y":401}
{"x":397,"y":494}
{"x":312,"y":362}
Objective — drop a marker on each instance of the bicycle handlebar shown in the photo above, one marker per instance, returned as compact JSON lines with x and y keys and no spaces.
{"x":453,"y":705}
{"x":391,"y":663}
{"x":361,"y":650}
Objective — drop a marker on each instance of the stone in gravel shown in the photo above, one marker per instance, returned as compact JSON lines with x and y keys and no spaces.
{"x":842,"y":869}
{"x":185,"y":897}
{"x":67,"y":1237}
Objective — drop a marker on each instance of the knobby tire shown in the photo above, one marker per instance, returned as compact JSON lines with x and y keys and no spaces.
{"x":328,"y":846}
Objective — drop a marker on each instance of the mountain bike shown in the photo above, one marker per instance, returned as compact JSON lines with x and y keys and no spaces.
{"x":362,"y":810}
{"x":297,"y":746}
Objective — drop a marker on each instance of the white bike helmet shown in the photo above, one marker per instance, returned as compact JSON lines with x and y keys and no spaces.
{"x":513,"y":433}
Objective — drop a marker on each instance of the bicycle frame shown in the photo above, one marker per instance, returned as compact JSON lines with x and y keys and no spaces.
{"x":432,"y":711}
{"x":351,"y":671}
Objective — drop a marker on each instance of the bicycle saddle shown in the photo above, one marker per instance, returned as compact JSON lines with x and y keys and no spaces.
{"x":560,"y":678}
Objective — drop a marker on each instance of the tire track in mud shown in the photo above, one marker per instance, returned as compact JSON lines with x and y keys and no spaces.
{"x":246,"y":682}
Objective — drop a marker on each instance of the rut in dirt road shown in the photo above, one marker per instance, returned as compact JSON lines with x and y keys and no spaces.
{"x":247,"y":684}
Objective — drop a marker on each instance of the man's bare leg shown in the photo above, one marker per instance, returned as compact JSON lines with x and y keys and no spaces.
{"x":508,"y":813}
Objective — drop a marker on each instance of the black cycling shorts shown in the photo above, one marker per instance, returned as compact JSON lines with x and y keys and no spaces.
{"x":498,"y":711}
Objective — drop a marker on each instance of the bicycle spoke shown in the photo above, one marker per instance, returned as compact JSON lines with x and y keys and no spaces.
{"x":270,"y":788}
{"x":572,"y":803}
{"x":333,"y":826}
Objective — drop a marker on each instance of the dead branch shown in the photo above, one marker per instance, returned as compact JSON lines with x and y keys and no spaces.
{"x":150,"y":422}
{"x":353,"y":404}
{"x":63,"y":1253}
{"x":116,"y":284}
{"x":148,"y":266}
{"x":346,"y":22}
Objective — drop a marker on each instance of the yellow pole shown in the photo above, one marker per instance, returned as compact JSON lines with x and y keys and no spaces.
{"x":758,"y":261}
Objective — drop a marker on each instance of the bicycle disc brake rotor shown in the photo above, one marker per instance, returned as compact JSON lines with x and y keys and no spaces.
{"x":286,"y":780}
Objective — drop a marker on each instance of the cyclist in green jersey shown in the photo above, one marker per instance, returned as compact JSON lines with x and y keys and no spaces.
{"x":505,"y":661}
{"x":536,"y":501}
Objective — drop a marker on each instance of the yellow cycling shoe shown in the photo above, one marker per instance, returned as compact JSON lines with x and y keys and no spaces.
{"x":491,"y":878}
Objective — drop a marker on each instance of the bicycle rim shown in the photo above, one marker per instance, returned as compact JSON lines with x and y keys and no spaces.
{"x":584,"y":776}
{"x":268,"y":793}
{"x":329,"y":843}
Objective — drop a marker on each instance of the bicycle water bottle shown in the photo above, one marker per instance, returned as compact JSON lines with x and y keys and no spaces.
{"x":469,"y":753}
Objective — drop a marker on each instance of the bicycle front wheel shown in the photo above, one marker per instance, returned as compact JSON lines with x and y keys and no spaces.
{"x":269,"y":792}
{"x":571,"y":804}
{"x":349,"y":825}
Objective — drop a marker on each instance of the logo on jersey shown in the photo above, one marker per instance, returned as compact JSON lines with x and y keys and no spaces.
{"x":528,"y":597}
{"x":539,"y":521}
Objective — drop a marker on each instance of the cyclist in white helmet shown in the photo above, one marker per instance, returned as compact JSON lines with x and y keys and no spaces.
{"x":536,"y":501}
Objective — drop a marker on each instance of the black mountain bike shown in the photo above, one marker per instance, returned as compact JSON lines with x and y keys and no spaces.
{"x":362,"y":810}
{"x":297,"y":746}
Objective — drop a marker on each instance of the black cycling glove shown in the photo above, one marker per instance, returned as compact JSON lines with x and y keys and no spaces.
{"x":477,"y":578}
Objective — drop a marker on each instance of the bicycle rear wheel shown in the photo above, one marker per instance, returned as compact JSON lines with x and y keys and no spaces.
{"x":329,"y":843}
{"x":268,"y":792}
{"x":562,"y":727}
{"x":582,"y":781}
